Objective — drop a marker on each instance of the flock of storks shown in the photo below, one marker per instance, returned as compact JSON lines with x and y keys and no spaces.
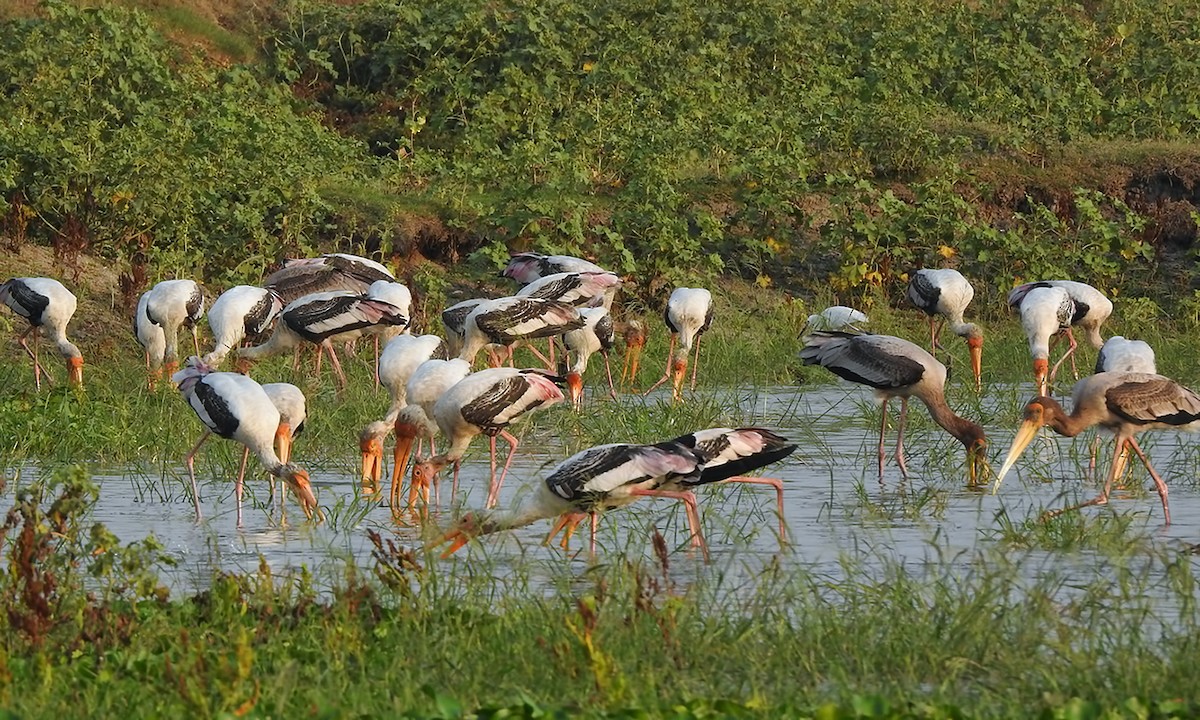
{"x":434,"y":392}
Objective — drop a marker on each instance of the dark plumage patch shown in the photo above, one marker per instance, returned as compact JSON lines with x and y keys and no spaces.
{"x":194,"y":305}
{"x":568,"y":481}
{"x":26,"y":302}
{"x":606,"y":333}
{"x":260,"y":315}
{"x":861,"y":362}
{"x":667,"y":320}
{"x":484,"y":409}
{"x":456,"y":318}
{"x":557,"y":289}
{"x":224,"y":422}
{"x":497,"y":325}
{"x":923,"y":294}
{"x":441,"y":352}
{"x":775,"y":448}
{"x":708,"y":318}
{"x":364,"y":273}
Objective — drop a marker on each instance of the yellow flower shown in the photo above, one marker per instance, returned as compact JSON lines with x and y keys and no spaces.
{"x":946,"y":251}
{"x":587,"y":66}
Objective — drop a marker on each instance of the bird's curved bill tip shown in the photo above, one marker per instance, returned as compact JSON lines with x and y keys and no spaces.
{"x":456,"y":538}
{"x":1025,"y":435}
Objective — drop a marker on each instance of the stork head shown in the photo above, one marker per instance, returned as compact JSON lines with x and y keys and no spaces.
{"x":370,"y":442}
{"x":75,"y":370}
{"x":1041,"y":368}
{"x":297,"y":480}
{"x":575,"y":388}
{"x":1035,"y":417}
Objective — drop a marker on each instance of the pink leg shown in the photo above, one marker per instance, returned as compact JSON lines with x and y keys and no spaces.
{"x":238,"y":487}
{"x":900,"y":438}
{"x":882,"y":432}
{"x":38,"y":370}
{"x":1069,"y":354}
{"x":1158,"y":481}
{"x":1102,"y":498}
{"x":696,"y":362}
{"x":693,"y":513}
{"x":377,"y":363}
{"x":778,"y":485}
{"x":595,"y":525}
{"x":494,"y":493}
{"x":337,"y":365}
{"x":190,"y":461}
{"x":612,"y":389}
{"x":549,"y":363}
{"x":667,"y":372}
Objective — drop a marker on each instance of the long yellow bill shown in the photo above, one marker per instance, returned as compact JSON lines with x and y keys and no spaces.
{"x":1025,"y":435}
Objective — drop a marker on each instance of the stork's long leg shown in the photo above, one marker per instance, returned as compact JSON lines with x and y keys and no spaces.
{"x":237,"y":488}
{"x":190,"y":461}
{"x":696,"y":362}
{"x":1102,"y":498}
{"x":38,"y":370}
{"x":195,"y":340}
{"x":667,"y":372}
{"x":933,"y":335}
{"x":775,"y":483}
{"x":1070,"y":353}
{"x":549,"y":362}
{"x":900,"y":437}
{"x":693,"y":513}
{"x":882,"y":433}
{"x":494,"y":488}
{"x":612,"y":389}
{"x":333,"y":360}
{"x":1158,"y":481}
{"x":377,"y":364}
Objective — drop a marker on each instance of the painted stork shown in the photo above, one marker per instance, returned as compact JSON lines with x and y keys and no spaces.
{"x":322,"y":317}
{"x":1121,"y":355}
{"x":1092,"y":308}
{"x":688,"y":315}
{"x":235,"y":407}
{"x":596,"y":335}
{"x":427,"y":385}
{"x":505,"y":321}
{"x":726,"y":455}
{"x":896,"y":368}
{"x":328,"y":273}
{"x":486,"y":403}
{"x":835,"y":317}
{"x":45,"y":303}
{"x":1045,"y":311}
{"x":576,"y":288}
{"x":399,"y":359}
{"x":600,"y":478}
{"x":152,"y":339}
{"x":947,"y":293}
{"x":241,"y":311}
{"x":529,"y":266}
{"x":1124,"y":403}
{"x":173,"y":304}
{"x":634,"y":336}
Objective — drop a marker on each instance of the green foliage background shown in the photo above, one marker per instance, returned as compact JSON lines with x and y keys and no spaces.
{"x":814,"y":145}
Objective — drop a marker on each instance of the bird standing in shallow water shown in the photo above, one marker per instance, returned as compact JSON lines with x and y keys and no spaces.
{"x":897,"y":368}
{"x":1045,"y":312}
{"x":1126,"y":404}
{"x":1089,"y":309}
{"x":587,"y":483}
{"x":236,"y":408}
{"x":947,"y":293}
{"x":45,"y":303}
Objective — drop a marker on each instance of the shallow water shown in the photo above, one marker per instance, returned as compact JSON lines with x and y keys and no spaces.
{"x":835,"y":504}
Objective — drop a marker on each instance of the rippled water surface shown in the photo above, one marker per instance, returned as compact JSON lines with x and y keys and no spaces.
{"x":834,"y":501}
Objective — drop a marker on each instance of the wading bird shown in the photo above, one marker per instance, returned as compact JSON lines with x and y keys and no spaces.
{"x":576,"y":288}
{"x":152,"y":339}
{"x":726,"y":454}
{"x":1091,"y":309}
{"x":329,"y":273}
{"x":399,"y":359}
{"x":323,"y":317}
{"x":896,"y":368}
{"x":1045,"y":311}
{"x":173,"y":304}
{"x":596,"y":335}
{"x":1121,"y":355}
{"x":600,"y":478}
{"x":486,"y":403}
{"x":45,"y":303}
{"x":529,"y":266}
{"x":835,"y":317}
{"x":426,"y":386}
{"x":241,"y":312}
{"x":947,"y":293}
{"x":1124,"y":403}
{"x":688,"y":315}
{"x":236,"y":408}
{"x":505,"y":321}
